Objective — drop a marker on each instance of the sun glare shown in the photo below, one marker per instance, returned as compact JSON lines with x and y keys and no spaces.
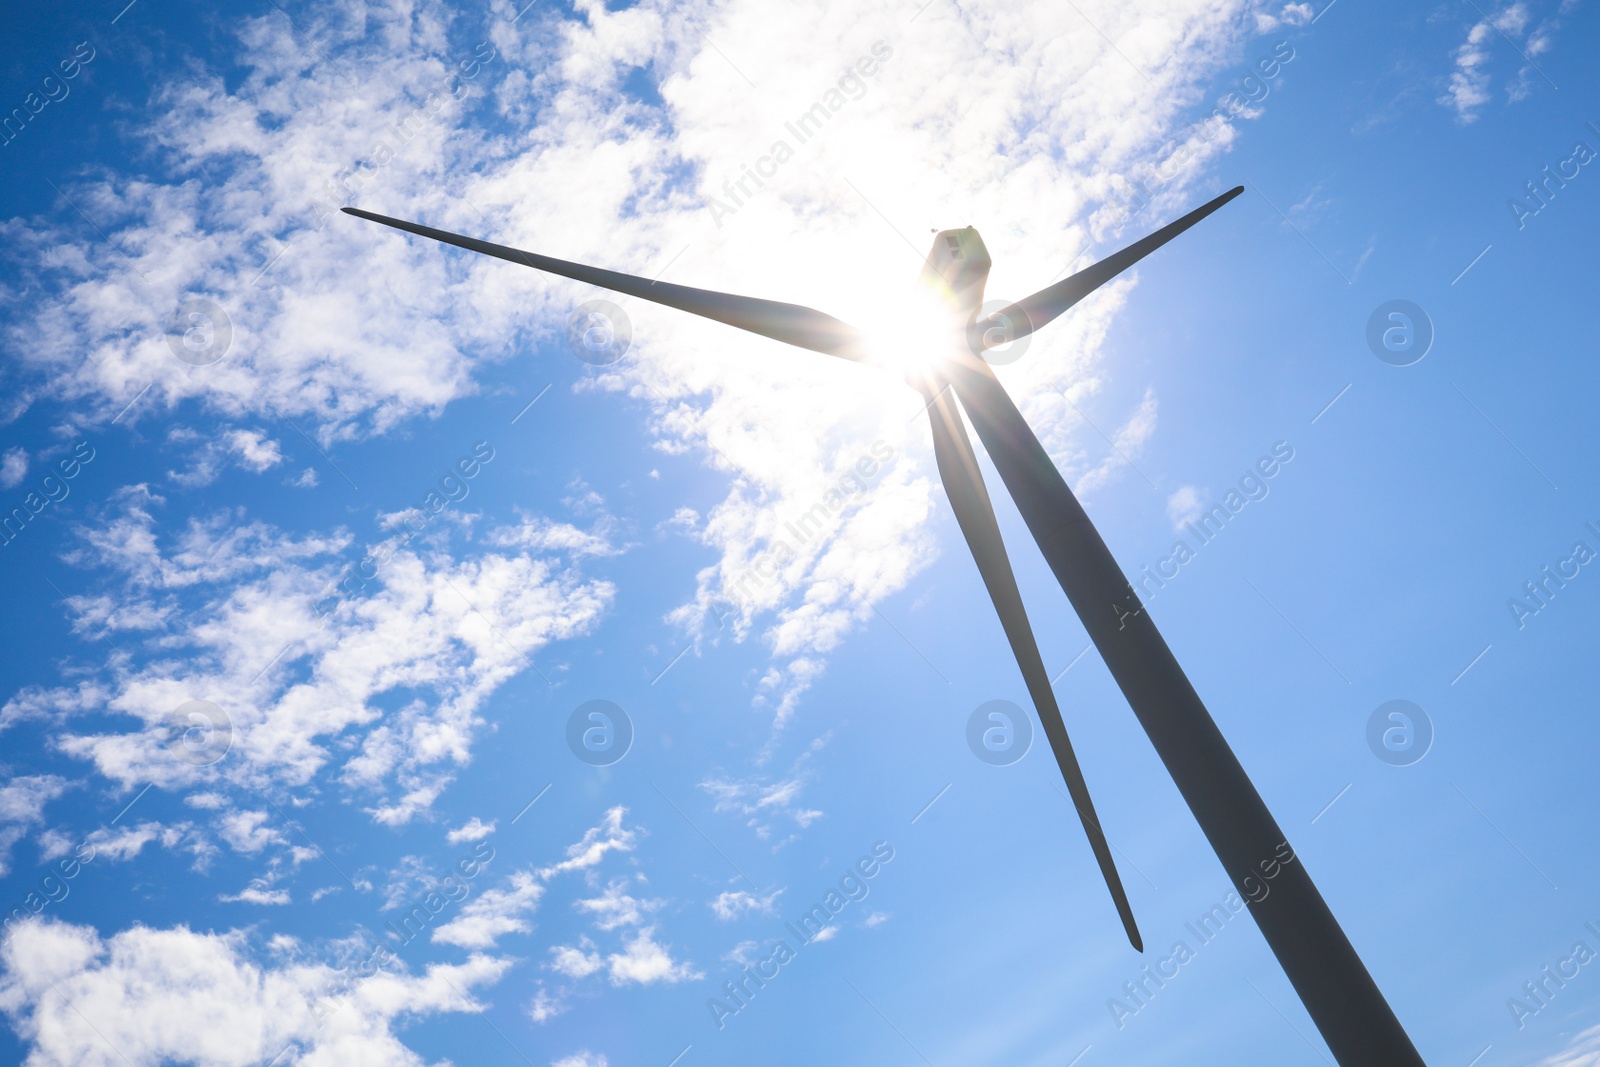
{"x":913,"y":333}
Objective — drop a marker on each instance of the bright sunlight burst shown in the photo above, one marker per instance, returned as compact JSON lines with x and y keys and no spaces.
{"x":913,"y":332}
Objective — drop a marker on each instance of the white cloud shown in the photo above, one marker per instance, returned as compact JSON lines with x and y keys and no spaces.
{"x":232,"y":609}
{"x":1469,"y":87}
{"x":762,"y":798}
{"x":684,"y":520}
{"x":254,"y":449}
{"x":734,"y":903}
{"x":96,"y":616}
{"x":493,"y":914}
{"x":1513,"y":19}
{"x":208,"y":453}
{"x":575,"y":961}
{"x":1126,"y":445}
{"x":248,"y":832}
{"x":985,"y":117}
{"x":644,"y":961}
{"x":614,"y":908}
{"x":34,"y":702}
{"x":127,"y":541}
{"x":1290,"y":15}
{"x":1584,"y":1051}
{"x":742,"y":954}
{"x":475,"y":829}
{"x":145,"y":988}
{"x":543,"y":535}
{"x":1184,"y":506}
{"x":411,"y":877}
{"x":1469,"y":84}
{"x":545,"y":1007}
{"x":257,"y":892}
{"x":581,"y":1059}
{"x":13,"y":467}
{"x":22,"y":801}
{"x":124,"y":843}
{"x":609,"y":836}
{"x":502,"y":911}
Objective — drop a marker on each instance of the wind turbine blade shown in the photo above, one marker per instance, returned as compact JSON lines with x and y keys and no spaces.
{"x":1032,"y":312}
{"x":1337,"y":989}
{"x":790,"y":323}
{"x":963,"y":482}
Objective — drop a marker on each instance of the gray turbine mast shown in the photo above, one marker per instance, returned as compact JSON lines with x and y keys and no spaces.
{"x":1345,"y":1003}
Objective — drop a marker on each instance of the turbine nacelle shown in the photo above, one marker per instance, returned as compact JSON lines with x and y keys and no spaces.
{"x":955,"y":272}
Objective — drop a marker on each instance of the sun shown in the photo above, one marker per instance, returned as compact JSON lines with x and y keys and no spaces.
{"x":913,"y":333}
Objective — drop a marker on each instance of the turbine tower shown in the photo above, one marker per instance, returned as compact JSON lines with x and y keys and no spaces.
{"x":1338,"y":992}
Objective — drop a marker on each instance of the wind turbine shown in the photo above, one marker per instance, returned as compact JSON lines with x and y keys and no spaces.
{"x":1338,"y":992}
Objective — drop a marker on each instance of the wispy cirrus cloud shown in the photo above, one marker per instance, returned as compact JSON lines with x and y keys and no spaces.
{"x":768,"y":801}
{"x":736,"y":903}
{"x":1512,"y":28}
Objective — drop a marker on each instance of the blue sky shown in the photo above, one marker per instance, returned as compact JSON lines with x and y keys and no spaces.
{"x":519,"y":532}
